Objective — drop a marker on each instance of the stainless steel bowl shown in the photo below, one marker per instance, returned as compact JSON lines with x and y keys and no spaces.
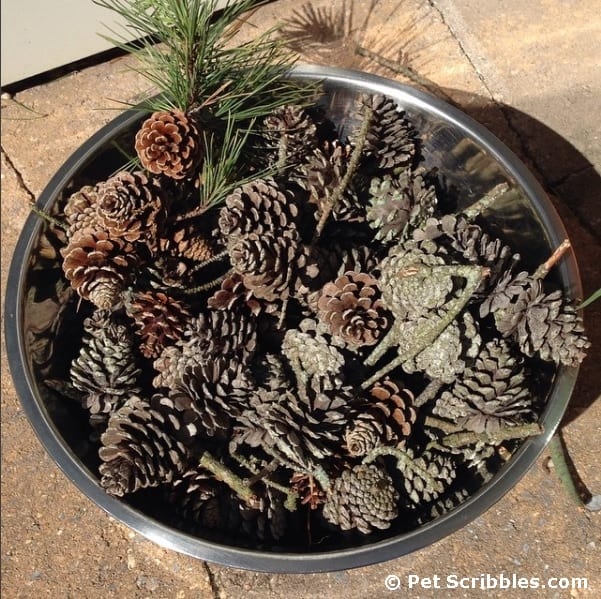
{"x":469,"y":156}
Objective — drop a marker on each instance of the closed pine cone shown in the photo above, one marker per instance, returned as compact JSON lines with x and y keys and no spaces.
{"x":352,"y":309}
{"x":169,"y":143}
{"x":364,"y":498}
{"x":98,"y":266}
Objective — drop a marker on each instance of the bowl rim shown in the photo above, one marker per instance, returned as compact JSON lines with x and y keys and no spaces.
{"x":289,"y":562}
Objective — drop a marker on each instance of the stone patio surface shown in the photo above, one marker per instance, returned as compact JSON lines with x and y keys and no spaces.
{"x":530,"y":72}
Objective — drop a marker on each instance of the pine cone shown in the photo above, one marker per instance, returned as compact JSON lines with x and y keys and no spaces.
{"x":445,"y":358}
{"x":160,"y":320}
{"x":543,"y":324}
{"x":490,"y":394}
{"x":216,"y":391}
{"x":105,"y":369}
{"x":258,"y":207}
{"x":98,"y":266}
{"x":80,"y":210}
{"x":186,"y":242}
{"x":234,"y":296}
{"x":308,"y":489}
{"x":391,"y":141}
{"x":269,"y":266}
{"x":290,"y":131}
{"x":190,"y":492}
{"x":129,"y":206}
{"x":385,"y":419}
{"x":352,"y":309}
{"x":137,"y":450}
{"x":323,"y":174}
{"x":169,"y":143}
{"x":397,"y":203}
{"x":311,"y":352}
{"x":430,"y":475}
{"x":363,"y":497}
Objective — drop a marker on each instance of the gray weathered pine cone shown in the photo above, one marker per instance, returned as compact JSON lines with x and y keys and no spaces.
{"x":160,"y":319}
{"x":351,"y":308}
{"x":429,"y":476}
{"x":138,"y":450}
{"x":289,"y":134}
{"x":386,"y":418}
{"x":98,"y":266}
{"x":215,"y":392}
{"x":445,"y":358}
{"x":322,"y":175}
{"x":399,"y":203}
{"x":391,"y":139}
{"x":259,"y":207}
{"x":106,"y":368}
{"x":543,"y":324}
{"x":362,"y":497}
{"x":312,"y":352}
{"x":491,"y":393}
{"x":216,"y":333}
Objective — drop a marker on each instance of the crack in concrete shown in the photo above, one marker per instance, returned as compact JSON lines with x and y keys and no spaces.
{"x":18,"y":175}
{"x":212,"y":580}
{"x":523,"y":149}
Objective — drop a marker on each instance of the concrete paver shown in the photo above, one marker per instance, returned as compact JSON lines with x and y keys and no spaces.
{"x":56,"y":543}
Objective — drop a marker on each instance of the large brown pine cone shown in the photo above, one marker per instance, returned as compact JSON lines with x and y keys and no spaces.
{"x":138,"y":450}
{"x":160,"y":320}
{"x":257,"y":207}
{"x":129,"y":206}
{"x":352,"y":309}
{"x":385,"y":419}
{"x":364,"y":498}
{"x":98,"y":266}
{"x":169,"y":143}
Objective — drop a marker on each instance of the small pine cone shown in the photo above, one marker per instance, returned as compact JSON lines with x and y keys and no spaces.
{"x":445,"y":358}
{"x":386,"y":419}
{"x":391,"y":140}
{"x":364,"y":498}
{"x":351,"y":308}
{"x":160,"y":320}
{"x":80,"y":210}
{"x":323,"y":174}
{"x":129,"y":206}
{"x":506,"y":292}
{"x":290,"y":130}
{"x":311,"y":352}
{"x":257,"y":207}
{"x":443,"y":505}
{"x":138,"y":450}
{"x":169,"y":143}
{"x":233,"y":296}
{"x":269,"y":265}
{"x":190,"y":492}
{"x":491,"y":393}
{"x":397,"y":203}
{"x":105,"y":369}
{"x":308,"y":490}
{"x":429,"y":476}
{"x":98,"y":266}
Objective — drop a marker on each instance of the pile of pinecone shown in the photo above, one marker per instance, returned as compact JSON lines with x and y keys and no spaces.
{"x":308,"y":348}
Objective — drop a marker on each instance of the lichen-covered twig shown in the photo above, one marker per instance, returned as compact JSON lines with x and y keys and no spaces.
{"x":504,"y":434}
{"x":233,"y":481}
{"x":486,"y":201}
{"x":428,"y":394}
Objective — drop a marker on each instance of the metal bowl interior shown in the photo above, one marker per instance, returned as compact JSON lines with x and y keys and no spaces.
{"x":470,"y":158}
